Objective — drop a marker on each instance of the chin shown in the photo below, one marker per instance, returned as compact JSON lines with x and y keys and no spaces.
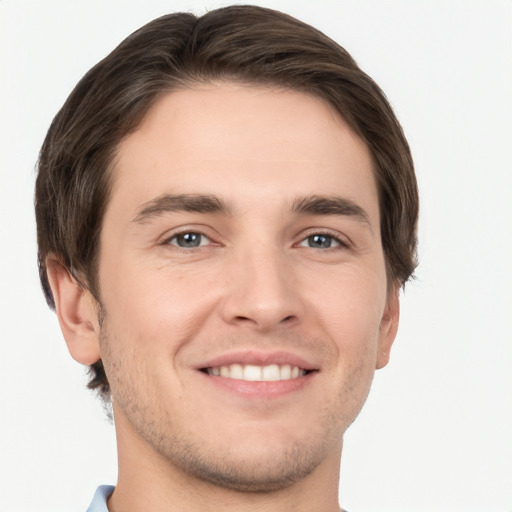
{"x":250,"y":472}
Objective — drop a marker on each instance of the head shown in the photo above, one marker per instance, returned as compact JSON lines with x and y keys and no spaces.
{"x":238,"y":49}
{"x":248,"y":45}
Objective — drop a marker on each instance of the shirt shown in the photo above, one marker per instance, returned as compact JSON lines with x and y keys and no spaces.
{"x":99,"y":502}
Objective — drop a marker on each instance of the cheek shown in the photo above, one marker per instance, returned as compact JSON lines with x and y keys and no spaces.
{"x":350,"y":314}
{"x":158,"y":307}
{"x":351,"y":305}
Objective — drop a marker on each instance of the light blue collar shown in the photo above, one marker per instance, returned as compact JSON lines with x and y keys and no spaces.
{"x":99,"y":502}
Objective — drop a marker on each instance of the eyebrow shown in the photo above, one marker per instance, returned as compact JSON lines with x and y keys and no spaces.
{"x":201,"y":203}
{"x":193,"y":203}
{"x":330,"y":205}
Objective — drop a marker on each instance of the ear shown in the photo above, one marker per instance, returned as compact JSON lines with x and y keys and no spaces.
{"x":77,"y":313}
{"x":388,"y":327}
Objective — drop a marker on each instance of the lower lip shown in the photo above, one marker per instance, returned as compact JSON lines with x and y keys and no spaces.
{"x":259,"y":389}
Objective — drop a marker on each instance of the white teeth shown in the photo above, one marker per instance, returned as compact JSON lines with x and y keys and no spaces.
{"x":236,"y":371}
{"x":271,"y":372}
{"x":286,"y":371}
{"x":254,"y":373}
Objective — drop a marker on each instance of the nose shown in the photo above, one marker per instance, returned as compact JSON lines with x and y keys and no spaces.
{"x":263,"y":292}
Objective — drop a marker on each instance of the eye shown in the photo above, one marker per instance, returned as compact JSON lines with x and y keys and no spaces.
{"x":321,"y":241}
{"x":188,"y":240}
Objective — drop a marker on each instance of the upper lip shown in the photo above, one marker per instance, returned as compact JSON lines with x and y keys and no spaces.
{"x":259,"y":358}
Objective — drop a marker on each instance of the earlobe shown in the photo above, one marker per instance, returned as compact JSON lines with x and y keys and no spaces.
{"x":77,"y":313}
{"x":388,"y":327}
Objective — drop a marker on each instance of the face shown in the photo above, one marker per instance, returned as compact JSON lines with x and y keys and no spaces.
{"x":243,"y":283}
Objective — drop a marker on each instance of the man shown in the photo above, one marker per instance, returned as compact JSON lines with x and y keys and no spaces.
{"x":226,"y":212}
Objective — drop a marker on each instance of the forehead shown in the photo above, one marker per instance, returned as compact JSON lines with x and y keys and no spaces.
{"x":249,"y":143}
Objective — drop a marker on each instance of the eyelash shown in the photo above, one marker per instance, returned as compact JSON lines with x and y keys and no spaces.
{"x":168,"y":241}
{"x":335,"y":237}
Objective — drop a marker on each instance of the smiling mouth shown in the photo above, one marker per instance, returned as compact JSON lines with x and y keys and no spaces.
{"x":255,"y":373}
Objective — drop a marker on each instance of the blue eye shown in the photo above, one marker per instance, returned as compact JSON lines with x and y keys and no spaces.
{"x":319,"y":241}
{"x":189,"y":240}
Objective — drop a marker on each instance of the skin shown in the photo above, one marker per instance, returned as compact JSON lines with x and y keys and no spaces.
{"x":257,"y":285}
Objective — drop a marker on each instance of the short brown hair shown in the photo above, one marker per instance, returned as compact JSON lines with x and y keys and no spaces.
{"x":246,"y":44}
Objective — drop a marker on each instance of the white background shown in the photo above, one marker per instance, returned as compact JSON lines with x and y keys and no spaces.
{"x":436,"y":433}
